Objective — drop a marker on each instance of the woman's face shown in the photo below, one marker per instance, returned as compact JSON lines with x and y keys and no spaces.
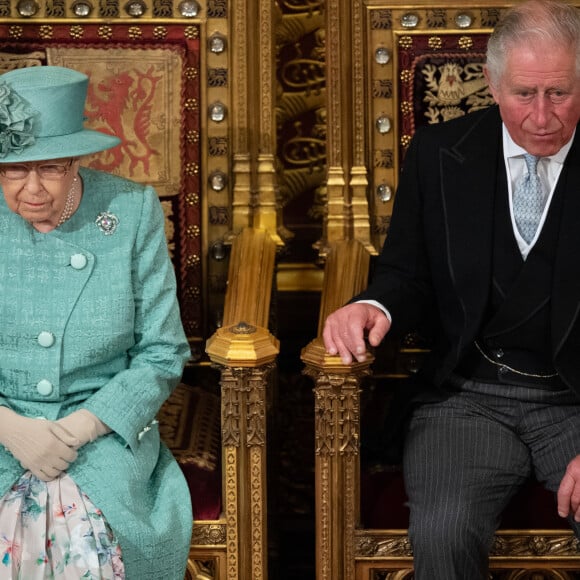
{"x":38,"y":191}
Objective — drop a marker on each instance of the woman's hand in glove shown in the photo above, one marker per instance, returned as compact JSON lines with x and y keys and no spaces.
{"x":84,"y":426}
{"x":43,"y":447}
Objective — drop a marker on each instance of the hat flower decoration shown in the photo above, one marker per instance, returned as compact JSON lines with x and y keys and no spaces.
{"x":16,"y":122}
{"x":42,"y":116}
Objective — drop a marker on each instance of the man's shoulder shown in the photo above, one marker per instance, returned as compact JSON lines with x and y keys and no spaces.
{"x":479,"y":127}
{"x":485,"y":119}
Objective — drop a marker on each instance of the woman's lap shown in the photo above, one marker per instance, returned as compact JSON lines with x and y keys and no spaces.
{"x":53,"y":531}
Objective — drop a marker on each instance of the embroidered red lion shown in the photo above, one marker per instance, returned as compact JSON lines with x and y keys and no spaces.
{"x":122,"y":105}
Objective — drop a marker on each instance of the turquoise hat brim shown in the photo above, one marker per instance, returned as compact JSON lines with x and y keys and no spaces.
{"x":84,"y":142}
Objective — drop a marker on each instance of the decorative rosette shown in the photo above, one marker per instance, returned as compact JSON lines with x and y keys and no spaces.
{"x":16,"y":122}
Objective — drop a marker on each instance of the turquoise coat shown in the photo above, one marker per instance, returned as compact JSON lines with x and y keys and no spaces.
{"x":90,"y":319}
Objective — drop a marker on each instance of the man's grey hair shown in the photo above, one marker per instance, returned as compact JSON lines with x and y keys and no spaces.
{"x":532,"y":22}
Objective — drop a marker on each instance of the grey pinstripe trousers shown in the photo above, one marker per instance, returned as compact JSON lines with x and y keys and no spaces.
{"x":464,"y":459}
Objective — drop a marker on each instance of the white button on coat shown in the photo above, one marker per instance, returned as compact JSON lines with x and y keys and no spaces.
{"x":45,"y":339}
{"x":78,"y":261}
{"x":44,"y":387}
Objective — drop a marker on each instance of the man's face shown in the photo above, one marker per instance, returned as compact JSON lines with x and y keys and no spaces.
{"x":539,"y":97}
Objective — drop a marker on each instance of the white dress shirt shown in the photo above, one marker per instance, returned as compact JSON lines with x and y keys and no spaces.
{"x":549,"y":169}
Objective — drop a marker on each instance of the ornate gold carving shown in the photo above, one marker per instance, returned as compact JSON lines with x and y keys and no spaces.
{"x":336,"y":404}
{"x":202,"y":569}
{"x":391,"y":575}
{"x":513,"y":546}
{"x":208,"y":534}
{"x":337,"y":449}
{"x":351,"y":475}
{"x":267,"y":85}
{"x":386,"y":572}
{"x":323,"y":509}
{"x":244,"y":441}
{"x":256,"y":406}
{"x":259,"y":548}
{"x":533,"y":574}
{"x":244,"y":389}
{"x":516,"y":543}
{"x":334,"y":80}
{"x":383,"y":544}
{"x":304,"y":5}
{"x":232,"y":516}
{"x":242,"y":350}
{"x":243,"y":328}
{"x":231,"y":407}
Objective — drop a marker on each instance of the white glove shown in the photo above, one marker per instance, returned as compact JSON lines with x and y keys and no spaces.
{"x":83,"y":426}
{"x":43,"y":447}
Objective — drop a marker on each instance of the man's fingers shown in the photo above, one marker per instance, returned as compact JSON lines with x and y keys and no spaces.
{"x":564,"y":495}
{"x":344,"y":334}
{"x":344,"y":331}
{"x":345,"y":348}
{"x":379,"y":329}
{"x":569,"y":491}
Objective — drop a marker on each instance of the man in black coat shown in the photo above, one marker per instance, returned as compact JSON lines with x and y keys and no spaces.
{"x":499,"y":279}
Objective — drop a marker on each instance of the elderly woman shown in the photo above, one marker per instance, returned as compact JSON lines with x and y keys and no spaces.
{"x":91,"y":344}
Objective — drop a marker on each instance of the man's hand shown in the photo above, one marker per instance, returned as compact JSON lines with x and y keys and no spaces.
{"x":345,"y":328}
{"x":41,"y":446}
{"x":569,"y":491}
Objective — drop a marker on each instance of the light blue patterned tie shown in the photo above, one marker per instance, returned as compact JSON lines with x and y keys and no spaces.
{"x":528,"y":200}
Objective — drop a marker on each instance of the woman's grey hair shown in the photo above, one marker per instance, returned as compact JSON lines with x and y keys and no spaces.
{"x":532,"y":22}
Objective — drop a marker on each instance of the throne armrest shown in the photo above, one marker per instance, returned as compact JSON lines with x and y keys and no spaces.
{"x":245,"y":352}
{"x":337,"y":419}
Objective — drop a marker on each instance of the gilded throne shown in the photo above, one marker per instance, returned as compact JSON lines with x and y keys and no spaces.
{"x":407,"y":65}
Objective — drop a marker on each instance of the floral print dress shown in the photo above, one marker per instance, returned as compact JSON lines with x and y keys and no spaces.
{"x":52,"y":530}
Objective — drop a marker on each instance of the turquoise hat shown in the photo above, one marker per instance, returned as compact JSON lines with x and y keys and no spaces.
{"x":42,"y":116}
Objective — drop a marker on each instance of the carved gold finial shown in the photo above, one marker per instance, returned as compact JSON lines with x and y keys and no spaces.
{"x":243,"y":328}
{"x":242,"y":345}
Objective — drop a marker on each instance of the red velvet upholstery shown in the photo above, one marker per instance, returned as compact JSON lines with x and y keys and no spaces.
{"x":382,"y":490}
{"x":383,"y":504}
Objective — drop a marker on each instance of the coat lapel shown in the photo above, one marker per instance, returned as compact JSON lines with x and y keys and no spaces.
{"x":467,"y":192}
{"x":566,"y":284}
